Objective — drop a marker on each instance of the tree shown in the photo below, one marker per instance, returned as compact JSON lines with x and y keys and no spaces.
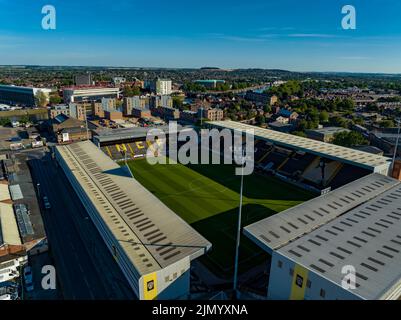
{"x":136,"y":91}
{"x":177,"y":102}
{"x":260,"y":119}
{"x":131,"y":91}
{"x":55,"y":99}
{"x":387,"y":124}
{"x":5,"y":122}
{"x":41,"y":99}
{"x":339,"y":122}
{"x":24,"y":119}
{"x":349,"y":139}
{"x":324,"y":116}
{"x":267,"y":108}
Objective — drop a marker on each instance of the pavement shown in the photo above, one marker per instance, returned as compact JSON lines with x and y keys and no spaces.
{"x":85,"y":267}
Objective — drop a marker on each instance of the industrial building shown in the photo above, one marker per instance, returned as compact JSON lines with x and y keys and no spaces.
{"x":22,"y":96}
{"x":151,"y":244}
{"x":326,"y":134}
{"x":354,"y":229}
{"x":210,"y":84}
{"x":89,"y":94}
{"x":12,"y":252}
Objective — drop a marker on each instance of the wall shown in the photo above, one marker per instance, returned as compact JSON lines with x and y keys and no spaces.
{"x":169,"y":283}
{"x":282,"y":284}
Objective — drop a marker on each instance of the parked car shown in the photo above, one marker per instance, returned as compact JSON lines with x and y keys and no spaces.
{"x":28,"y":279}
{"x":46,"y":202}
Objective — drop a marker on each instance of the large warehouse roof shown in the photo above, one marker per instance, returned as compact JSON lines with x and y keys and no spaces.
{"x":280,"y":229}
{"x":358,"y":158}
{"x":367,"y":235}
{"x":8,"y":225}
{"x":151,"y":235}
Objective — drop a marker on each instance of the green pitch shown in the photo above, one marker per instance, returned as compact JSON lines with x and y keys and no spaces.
{"x":207,"y":197}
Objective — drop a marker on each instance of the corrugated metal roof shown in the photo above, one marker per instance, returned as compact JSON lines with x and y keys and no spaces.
{"x":152,"y":235}
{"x":9,"y":228}
{"x":23,"y":220}
{"x":16,"y":193}
{"x":107,"y":135}
{"x":280,"y":229}
{"x":358,"y":158}
{"x":367,"y":237}
{"x":4,"y":192}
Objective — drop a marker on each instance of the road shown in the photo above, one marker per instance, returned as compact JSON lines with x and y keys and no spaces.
{"x":85,"y":267}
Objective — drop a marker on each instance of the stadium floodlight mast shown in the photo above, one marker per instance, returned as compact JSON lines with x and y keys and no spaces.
{"x":396,"y":142}
{"x":87,"y":128}
{"x":239,"y":228}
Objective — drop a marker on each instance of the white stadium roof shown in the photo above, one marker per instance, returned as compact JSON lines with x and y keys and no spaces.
{"x":358,"y":158}
{"x":358,"y":225}
{"x":151,"y":235}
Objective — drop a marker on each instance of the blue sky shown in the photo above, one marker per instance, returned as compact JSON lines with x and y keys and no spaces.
{"x":287,"y":34}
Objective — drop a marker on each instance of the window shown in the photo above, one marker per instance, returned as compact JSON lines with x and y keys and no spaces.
{"x":280,"y":264}
{"x":322,"y":293}
{"x":308,"y":284}
{"x":291,"y":272}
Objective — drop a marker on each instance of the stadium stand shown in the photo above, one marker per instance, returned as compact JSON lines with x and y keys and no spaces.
{"x":346,"y":175}
{"x":314,"y":172}
{"x":274,"y":159}
{"x":132,"y":150}
{"x":297,"y":164}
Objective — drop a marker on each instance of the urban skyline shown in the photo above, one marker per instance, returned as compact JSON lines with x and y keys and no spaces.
{"x":256,"y":34}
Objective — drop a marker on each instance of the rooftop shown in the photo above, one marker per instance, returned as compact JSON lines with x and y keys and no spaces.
{"x":152,"y":235}
{"x":358,"y":158}
{"x":8,"y":226}
{"x":357,"y":225}
{"x":107,"y":135}
{"x":329,"y":130}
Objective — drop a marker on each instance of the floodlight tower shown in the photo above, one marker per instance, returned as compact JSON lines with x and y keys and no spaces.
{"x":239,"y":227}
{"x":396,"y":143}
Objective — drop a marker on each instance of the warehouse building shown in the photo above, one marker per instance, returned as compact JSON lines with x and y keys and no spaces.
{"x":151,"y":244}
{"x":89,"y":94}
{"x":22,"y":96}
{"x":13,"y":254}
{"x":318,"y":247}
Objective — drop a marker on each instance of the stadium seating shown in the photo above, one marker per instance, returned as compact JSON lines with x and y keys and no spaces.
{"x":261,"y":150}
{"x":132,"y":150}
{"x":347,"y":174}
{"x":314,"y":172}
{"x":275,"y":159}
{"x":297,"y":164}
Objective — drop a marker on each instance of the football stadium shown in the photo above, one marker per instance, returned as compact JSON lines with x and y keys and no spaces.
{"x":288,"y":172}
